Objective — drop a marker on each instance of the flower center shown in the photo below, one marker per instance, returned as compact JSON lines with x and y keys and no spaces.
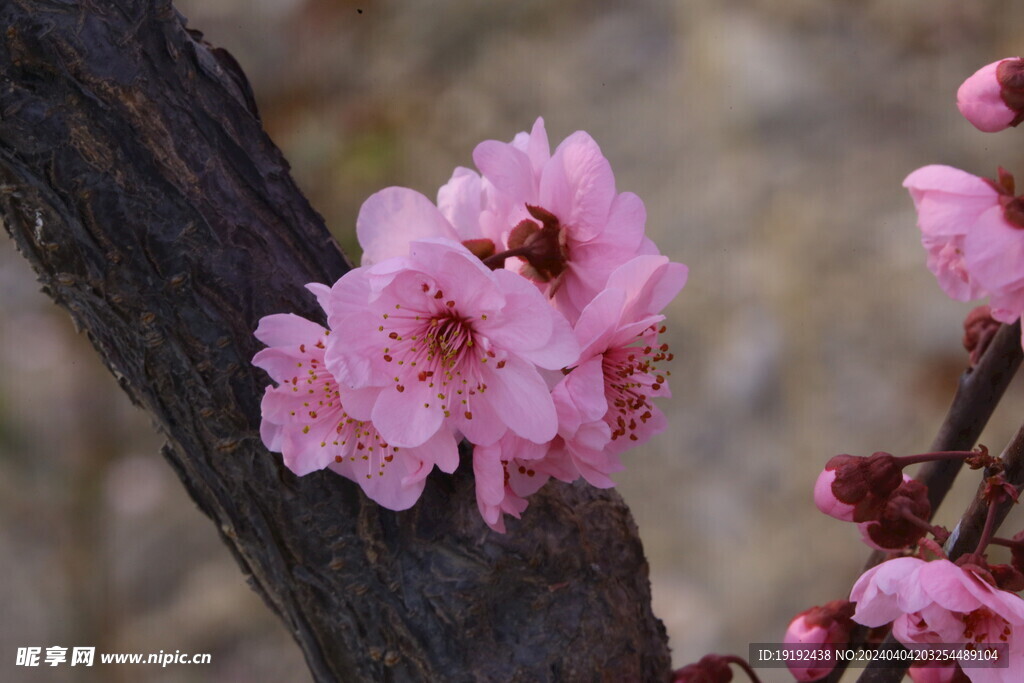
{"x":447,"y":338}
{"x":429,"y":339}
{"x":631,"y":377}
{"x":981,"y":625}
{"x":544,"y":247}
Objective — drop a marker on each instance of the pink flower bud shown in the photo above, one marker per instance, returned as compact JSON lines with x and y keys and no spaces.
{"x":828,"y":624}
{"x":855,"y":489}
{"x":827,"y":501}
{"x":989,"y":99}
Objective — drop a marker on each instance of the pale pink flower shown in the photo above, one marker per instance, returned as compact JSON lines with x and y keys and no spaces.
{"x":827,"y":625}
{"x":618,"y":331}
{"x":305,"y":420}
{"x":448,"y":344}
{"x":940,"y":602}
{"x":591,"y":228}
{"x":989,"y":98}
{"x":949,"y":203}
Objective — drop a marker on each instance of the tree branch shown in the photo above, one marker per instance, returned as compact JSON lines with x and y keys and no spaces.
{"x":136,"y":179}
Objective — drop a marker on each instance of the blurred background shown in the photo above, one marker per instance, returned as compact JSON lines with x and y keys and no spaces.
{"x":768,"y":140}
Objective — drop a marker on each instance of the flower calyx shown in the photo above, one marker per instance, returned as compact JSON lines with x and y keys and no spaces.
{"x":1013,"y":205}
{"x":904,"y":520}
{"x":541,"y":243}
{"x":997,"y":490}
{"x":1010,"y":75}
{"x":865,"y":483}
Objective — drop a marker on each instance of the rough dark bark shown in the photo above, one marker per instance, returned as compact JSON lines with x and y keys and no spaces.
{"x":138,"y":182}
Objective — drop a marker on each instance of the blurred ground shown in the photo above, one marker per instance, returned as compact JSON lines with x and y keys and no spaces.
{"x":768,"y":140}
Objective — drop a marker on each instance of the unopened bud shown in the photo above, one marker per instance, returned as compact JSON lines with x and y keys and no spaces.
{"x":992,"y":99}
{"x":827,"y":625}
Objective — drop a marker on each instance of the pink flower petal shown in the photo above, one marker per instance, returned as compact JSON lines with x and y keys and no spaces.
{"x":284,"y":329}
{"x":650,"y":283}
{"x":993,"y":250}
{"x":522,"y":400}
{"x":875,"y":591}
{"x":392,"y":218}
{"x":508,"y":169}
{"x":590,"y":452}
{"x":322,"y":293}
{"x":460,"y":200}
{"x":948,"y":200}
{"x":352,"y":355}
{"x":578,"y":186}
{"x":580,"y":397}
{"x":537,"y":148}
{"x":599,"y":321}
{"x":484,"y":427}
{"x":409,"y":417}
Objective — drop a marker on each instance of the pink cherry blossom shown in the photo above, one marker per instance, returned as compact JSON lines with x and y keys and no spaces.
{"x":988,"y":99}
{"x":619,"y":330}
{"x":949,"y":203}
{"x":448,"y":344}
{"x":973,"y":229}
{"x":590,"y":228}
{"x":305,"y":420}
{"x":940,"y":602}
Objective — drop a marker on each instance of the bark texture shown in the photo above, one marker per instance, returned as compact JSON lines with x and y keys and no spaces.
{"x":136,"y":178}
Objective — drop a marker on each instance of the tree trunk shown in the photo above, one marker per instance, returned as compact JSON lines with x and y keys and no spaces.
{"x":136,"y":178}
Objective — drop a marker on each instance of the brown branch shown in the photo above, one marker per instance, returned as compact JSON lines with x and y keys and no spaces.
{"x":136,"y":179}
{"x":978,"y":393}
{"x":976,"y":398}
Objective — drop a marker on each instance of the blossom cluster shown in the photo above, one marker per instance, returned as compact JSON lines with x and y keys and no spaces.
{"x":520,"y":312}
